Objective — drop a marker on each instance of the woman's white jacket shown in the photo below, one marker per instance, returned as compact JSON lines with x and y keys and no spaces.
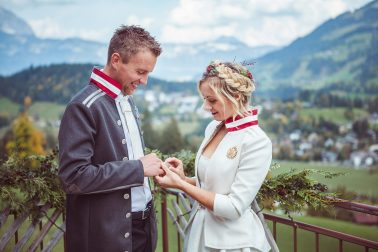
{"x":235,"y":173}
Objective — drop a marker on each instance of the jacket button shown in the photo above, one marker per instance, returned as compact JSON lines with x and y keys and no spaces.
{"x":127,"y":235}
{"x":119,"y":122}
{"x":126,"y":196}
{"x":128,"y":215}
{"x":125,"y":158}
{"x":123,"y":141}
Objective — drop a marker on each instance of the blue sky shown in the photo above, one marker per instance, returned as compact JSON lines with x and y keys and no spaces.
{"x":254,"y":22}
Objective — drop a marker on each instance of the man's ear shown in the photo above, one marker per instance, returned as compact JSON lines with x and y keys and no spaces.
{"x":115,"y":61}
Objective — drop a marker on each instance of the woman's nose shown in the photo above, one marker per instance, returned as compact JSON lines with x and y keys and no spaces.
{"x":206,"y":106}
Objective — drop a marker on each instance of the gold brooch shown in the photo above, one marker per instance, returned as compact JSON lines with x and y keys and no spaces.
{"x":231,"y":153}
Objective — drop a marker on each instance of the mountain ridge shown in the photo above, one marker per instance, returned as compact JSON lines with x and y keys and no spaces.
{"x":336,"y":51}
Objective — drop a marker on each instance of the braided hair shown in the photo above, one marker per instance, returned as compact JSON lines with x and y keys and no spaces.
{"x":231,"y":80}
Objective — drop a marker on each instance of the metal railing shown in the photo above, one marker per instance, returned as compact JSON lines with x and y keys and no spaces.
{"x":316,"y":230}
{"x":178,"y":217}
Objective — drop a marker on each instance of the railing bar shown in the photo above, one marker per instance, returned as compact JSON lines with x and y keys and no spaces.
{"x":44,"y":230}
{"x":324,"y":231}
{"x":4,"y":215}
{"x":295,"y":239}
{"x":358,"y":207}
{"x":25,"y":237}
{"x":40,"y":228}
{"x":317,"y":241}
{"x":164,"y":220}
{"x":11,"y":231}
{"x":55,"y":238}
{"x":28,"y":233}
{"x":275,"y":230}
{"x":16,"y":233}
{"x":340,"y":245}
{"x":178,"y":235}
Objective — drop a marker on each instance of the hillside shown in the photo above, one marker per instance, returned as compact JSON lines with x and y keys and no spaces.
{"x":340,"y":55}
{"x":58,"y":83}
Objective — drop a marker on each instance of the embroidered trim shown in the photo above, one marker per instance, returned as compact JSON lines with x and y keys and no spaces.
{"x":105,"y":83}
{"x":241,"y":122}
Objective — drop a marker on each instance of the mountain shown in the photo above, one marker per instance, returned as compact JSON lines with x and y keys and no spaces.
{"x":20,"y":49}
{"x":341,"y":55}
{"x":59,"y":82}
{"x":188,"y":61}
{"x":11,"y":24}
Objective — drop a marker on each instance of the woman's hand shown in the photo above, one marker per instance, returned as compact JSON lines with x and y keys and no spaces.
{"x":170,"y":179}
{"x":175,"y":165}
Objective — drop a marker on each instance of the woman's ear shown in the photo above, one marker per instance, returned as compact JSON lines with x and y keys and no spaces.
{"x":237,"y":97}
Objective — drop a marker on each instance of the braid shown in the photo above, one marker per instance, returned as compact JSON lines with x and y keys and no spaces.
{"x":235,"y":81}
{"x":233,"y":77}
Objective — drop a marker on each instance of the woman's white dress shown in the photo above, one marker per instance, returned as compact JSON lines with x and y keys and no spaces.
{"x":194,"y":241}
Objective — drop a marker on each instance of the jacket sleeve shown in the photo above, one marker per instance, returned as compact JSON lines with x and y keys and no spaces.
{"x":254,"y":164}
{"x":76,"y":149}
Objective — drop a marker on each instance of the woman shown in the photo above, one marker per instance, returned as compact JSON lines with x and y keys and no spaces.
{"x":231,"y":165}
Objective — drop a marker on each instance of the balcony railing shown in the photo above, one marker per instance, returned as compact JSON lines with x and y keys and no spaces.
{"x":50,"y":229}
{"x":177,"y":216}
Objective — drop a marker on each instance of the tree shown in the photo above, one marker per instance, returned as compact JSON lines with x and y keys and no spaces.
{"x":171,"y":139}
{"x":150,"y":136}
{"x":25,"y":140}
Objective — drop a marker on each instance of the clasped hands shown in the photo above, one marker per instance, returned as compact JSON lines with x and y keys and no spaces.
{"x":169,"y":173}
{"x":173,"y":176}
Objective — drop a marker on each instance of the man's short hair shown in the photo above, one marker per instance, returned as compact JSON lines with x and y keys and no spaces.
{"x":129,"y":40}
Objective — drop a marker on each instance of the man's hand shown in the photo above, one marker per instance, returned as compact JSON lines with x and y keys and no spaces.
{"x":152,"y":165}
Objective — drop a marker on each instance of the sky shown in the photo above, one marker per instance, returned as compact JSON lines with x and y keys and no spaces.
{"x":254,"y":22}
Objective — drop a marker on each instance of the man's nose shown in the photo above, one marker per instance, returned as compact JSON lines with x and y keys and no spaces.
{"x":143,"y":80}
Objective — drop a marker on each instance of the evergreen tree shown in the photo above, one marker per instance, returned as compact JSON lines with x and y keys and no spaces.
{"x":171,"y":139}
{"x":150,"y":136}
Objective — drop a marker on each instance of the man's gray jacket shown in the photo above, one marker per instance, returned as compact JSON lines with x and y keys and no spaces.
{"x":96,"y":173}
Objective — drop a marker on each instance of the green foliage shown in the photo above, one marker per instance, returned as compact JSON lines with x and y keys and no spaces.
{"x":292,"y":191}
{"x":25,"y":140}
{"x":171,"y":139}
{"x":24,"y":189}
{"x":167,"y":141}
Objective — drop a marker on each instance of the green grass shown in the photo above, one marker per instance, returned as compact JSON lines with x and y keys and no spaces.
{"x":358,"y":181}
{"x":8,"y":107}
{"x":47,"y":110}
{"x":335,"y":115}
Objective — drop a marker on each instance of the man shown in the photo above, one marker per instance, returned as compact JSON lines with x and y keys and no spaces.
{"x":102,"y":166}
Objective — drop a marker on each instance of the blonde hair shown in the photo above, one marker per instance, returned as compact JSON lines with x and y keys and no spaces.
{"x":232,"y":81}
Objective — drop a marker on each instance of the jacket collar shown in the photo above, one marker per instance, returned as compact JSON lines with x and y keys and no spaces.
{"x":242,"y":122}
{"x":106,"y":83}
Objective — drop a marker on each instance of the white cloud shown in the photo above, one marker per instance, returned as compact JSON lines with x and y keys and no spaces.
{"x":254,"y":22}
{"x":143,"y":22}
{"x":48,"y":28}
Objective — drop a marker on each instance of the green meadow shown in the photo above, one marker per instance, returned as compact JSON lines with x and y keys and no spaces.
{"x":358,"y":181}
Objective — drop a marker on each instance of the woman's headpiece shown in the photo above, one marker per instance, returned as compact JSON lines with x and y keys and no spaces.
{"x":212,"y":70}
